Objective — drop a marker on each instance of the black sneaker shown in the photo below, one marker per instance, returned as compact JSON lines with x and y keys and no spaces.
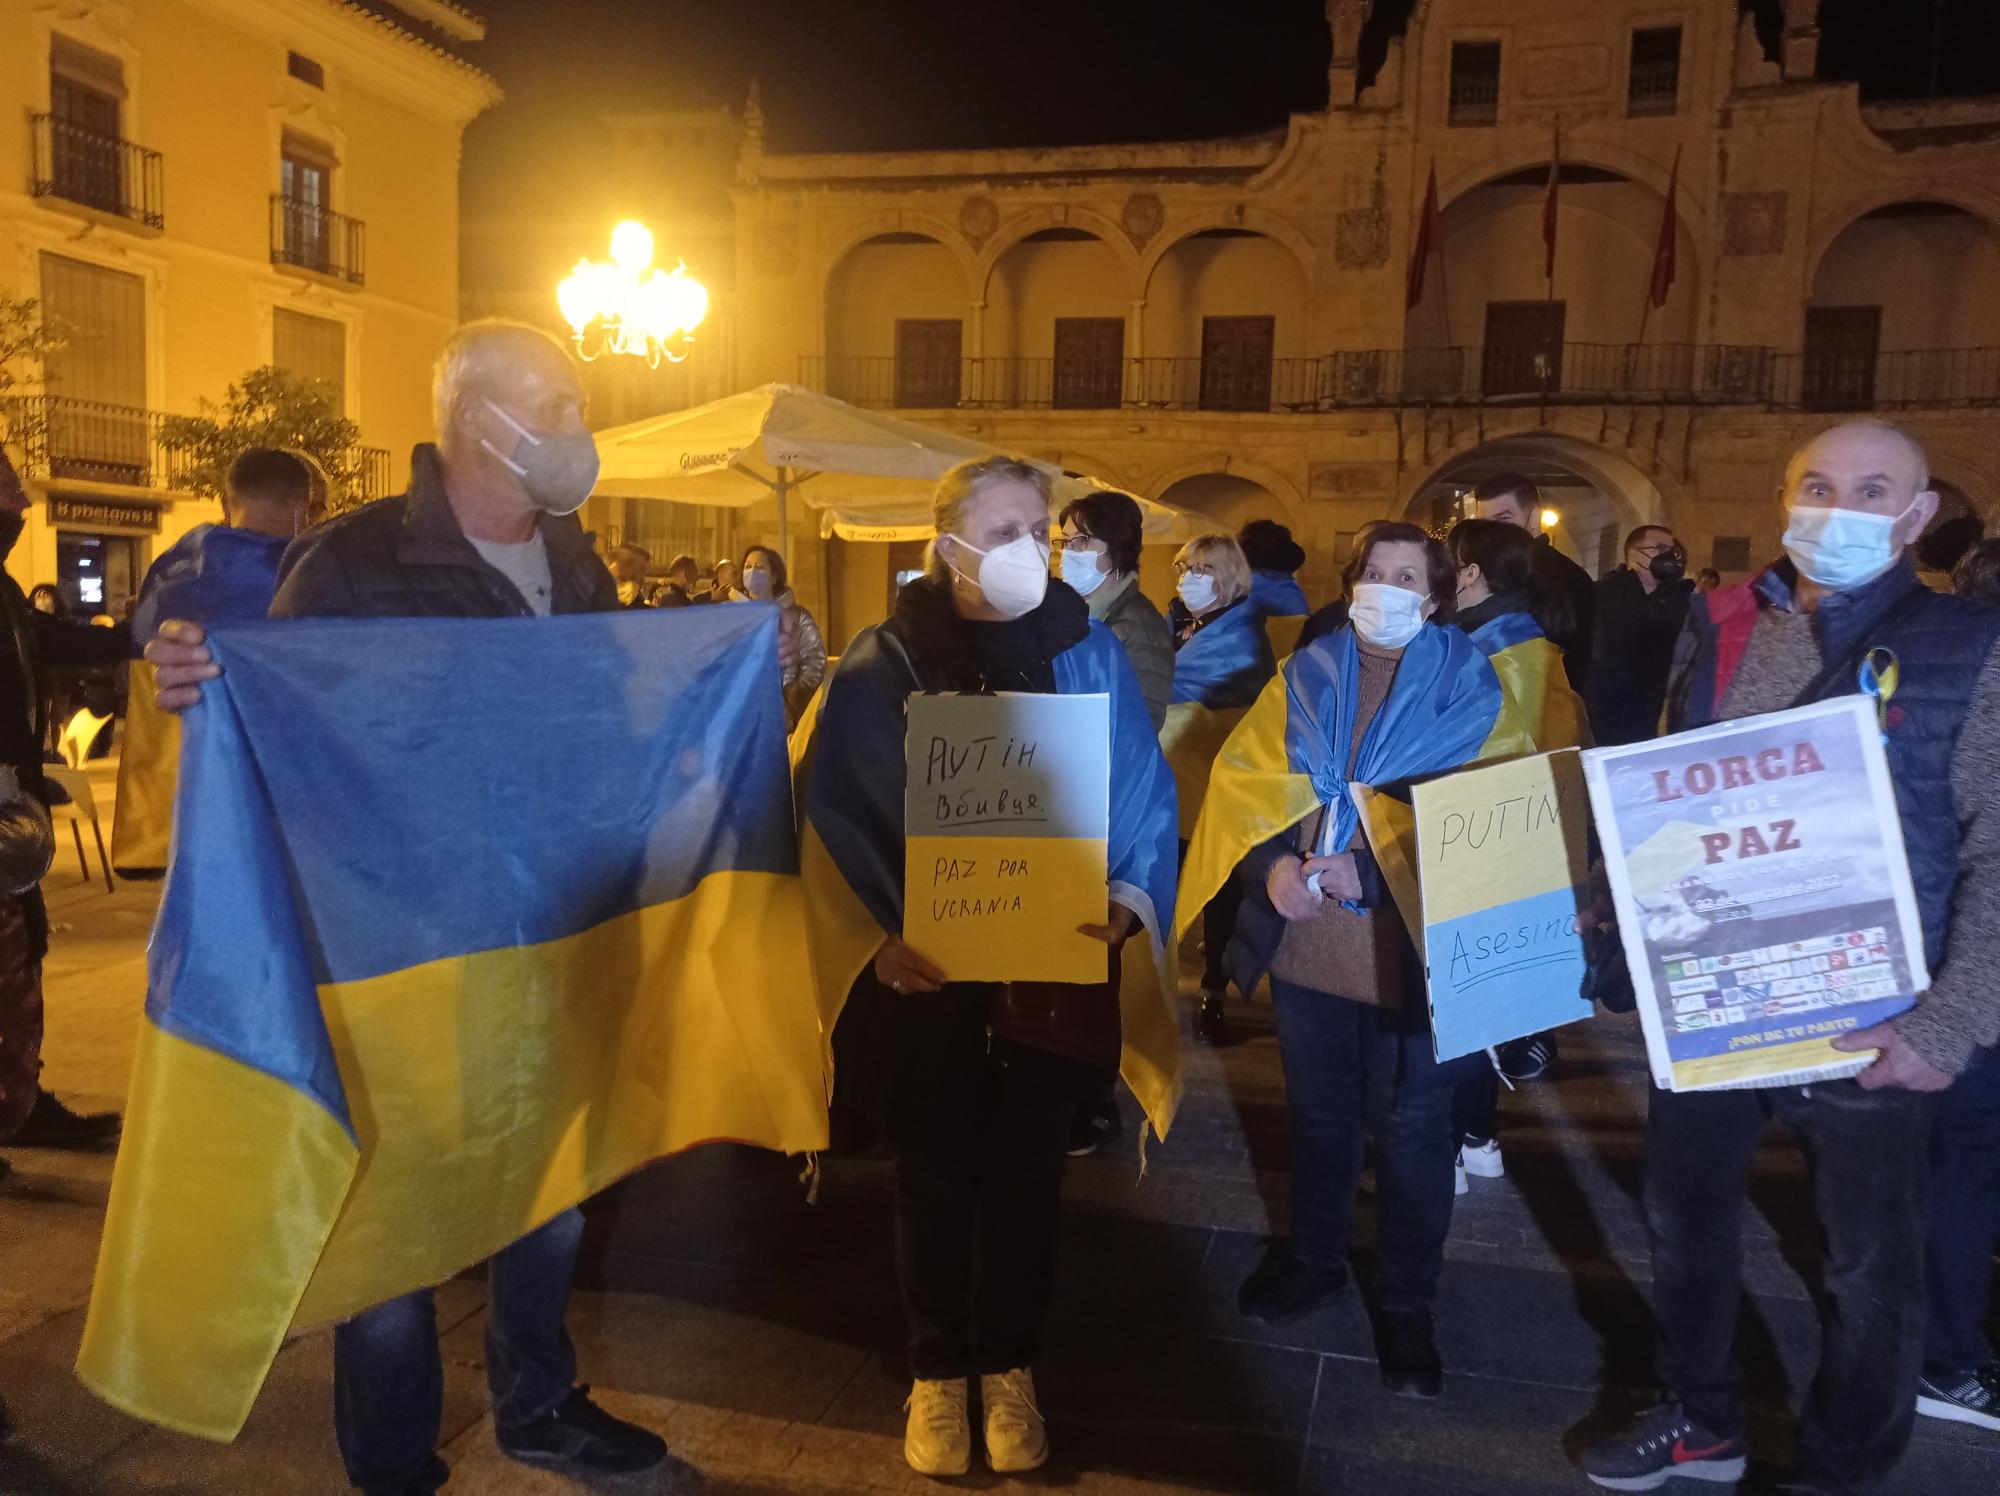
{"x":1406,"y":1350}
{"x":1211,"y":1027}
{"x":50,"y":1124}
{"x":1665,"y":1444}
{"x":578,"y":1435}
{"x":1963,"y":1397}
{"x":1096,"y":1124}
{"x":1523,"y":1060}
{"x":1284,"y":1289}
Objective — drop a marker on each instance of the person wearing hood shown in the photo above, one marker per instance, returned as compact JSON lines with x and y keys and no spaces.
{"x":213,"y":574}
{"x":801,"y":647}
{"x":1274,"y":559}
{"x":1640,"y":609}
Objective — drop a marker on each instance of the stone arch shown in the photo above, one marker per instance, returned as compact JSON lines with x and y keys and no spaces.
{"x":856,"y":234}
{"x":1641,"y":170}
{"x":1087,"y":220}
{"x":1252,"y":220}
{"x":1223,"y":464}
{"x":1090,"y":465}
{"x":1831,"y":223}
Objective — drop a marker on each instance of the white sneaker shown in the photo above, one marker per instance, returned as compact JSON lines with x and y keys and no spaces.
{"x":1016,"y":1437}
{"x":1458,"y":1184}
{"x":1483,"y":1161}
{"x":937,"y":1440}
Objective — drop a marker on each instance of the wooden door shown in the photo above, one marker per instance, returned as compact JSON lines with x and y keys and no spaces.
{"x":1841,"y":346}
{"x":1090,"y":363}
{"x":1524,"y":348}
{"x":927,"y":362}
{"x":1236,"y":362}
{"x":86,"y":154}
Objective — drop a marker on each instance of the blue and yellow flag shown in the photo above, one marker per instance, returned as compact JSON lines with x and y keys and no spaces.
{"x":213,"y":574}
{"x":1539,"y":713}
{"x":1217,"y":674}
{"x":466,"y":920}
{"x":1279,"y":597}
{"x":851,"y":763}
{"x":1291,"y":753}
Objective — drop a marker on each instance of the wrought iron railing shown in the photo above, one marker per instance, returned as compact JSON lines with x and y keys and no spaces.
{"x":314,"y":237}
{"x":1653,"y":87}
{"x":96,"y":170}
{"x":1501,"y":374}
{"x":375,"y":479}
{"x":1474,"y":100}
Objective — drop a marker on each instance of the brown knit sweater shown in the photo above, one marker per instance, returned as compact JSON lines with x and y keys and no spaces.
{"x":1335,"y":950}
{"x":1961,"y":1012}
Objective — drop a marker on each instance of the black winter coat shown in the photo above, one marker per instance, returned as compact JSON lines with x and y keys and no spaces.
{"x":1636,"y":632}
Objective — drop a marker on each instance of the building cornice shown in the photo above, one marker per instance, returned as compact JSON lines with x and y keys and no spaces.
{"x":1236,"y":158}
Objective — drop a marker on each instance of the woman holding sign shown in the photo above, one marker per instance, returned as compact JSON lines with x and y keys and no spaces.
{"x":979,"y":1080}
{"x":1222,"y":660}
{"x":1394,"y":694}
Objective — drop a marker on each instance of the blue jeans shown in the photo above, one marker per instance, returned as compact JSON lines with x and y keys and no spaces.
{"x":1965,"y":1218}
{"x":1352,"y":1070}
{"x":388,"y":1378}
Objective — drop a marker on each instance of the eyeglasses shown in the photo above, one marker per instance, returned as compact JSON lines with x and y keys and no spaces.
{"x":1198,"y":568}
{"x":1079,"y":542}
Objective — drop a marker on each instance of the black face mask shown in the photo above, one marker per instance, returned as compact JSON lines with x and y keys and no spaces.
{"x":1668,"y":566}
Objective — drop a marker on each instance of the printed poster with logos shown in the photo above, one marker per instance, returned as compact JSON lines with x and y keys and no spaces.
{"x":1007,"y":811}
{"x":1763,"y":893}
{"x":1503,"y":863}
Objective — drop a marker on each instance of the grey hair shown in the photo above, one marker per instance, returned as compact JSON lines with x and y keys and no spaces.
{"x":472,"y":359}
{"x":956,"y":490}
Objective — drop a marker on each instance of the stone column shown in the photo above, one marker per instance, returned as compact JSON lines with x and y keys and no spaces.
{"x":1801,"y":44}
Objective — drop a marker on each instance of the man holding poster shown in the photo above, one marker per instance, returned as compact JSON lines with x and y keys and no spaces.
{"x":1847,"y":613}
{"x":928,"y":820}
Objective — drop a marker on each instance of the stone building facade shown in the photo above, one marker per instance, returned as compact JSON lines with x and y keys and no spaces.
{"x":1226,"y":325}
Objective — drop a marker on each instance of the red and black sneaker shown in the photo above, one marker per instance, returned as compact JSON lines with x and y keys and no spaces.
{"x":1665,"y":1444}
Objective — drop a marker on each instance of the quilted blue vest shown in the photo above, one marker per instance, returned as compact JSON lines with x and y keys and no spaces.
{"x":1941,"y":645}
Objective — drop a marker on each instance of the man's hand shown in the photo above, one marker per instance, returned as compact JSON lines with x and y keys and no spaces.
{"x":1116,"y":929}
{"x":901,"y":969}
{"x":1898,"y":1065}
{"x":1339,"y":875}
{"x":180,"y":653}
{"x":1286,"y":884}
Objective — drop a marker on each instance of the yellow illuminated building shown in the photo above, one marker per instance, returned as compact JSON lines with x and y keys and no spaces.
{"x":198,"y":187}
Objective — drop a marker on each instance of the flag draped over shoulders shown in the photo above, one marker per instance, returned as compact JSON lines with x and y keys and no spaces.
{"x":1539,"y":713}
{"x":1290,"y":754}
{"x":852,"y":780}
{"x":466,"y":920}
{"x":1217,"y":675}
{"x":213,"y":574}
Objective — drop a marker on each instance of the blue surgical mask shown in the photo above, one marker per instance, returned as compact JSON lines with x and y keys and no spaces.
{"x":1841,"y":548}
{"x":1083,"y":570}
{"x":557,"y":469}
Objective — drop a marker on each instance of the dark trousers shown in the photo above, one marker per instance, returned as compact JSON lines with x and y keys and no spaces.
{"x":388,"y":1380}
{"x":1351,"y":1071}
{"x":980,"y":1128}
{"x":1218,"y":923}
{"x":1868,"y":1153}
{"x":1965,"y":1218}
{"x":1475,"y":1103}
{"x":20,"y":1018}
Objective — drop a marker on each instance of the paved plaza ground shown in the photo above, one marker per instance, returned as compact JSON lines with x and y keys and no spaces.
{"x":762,"y":1336}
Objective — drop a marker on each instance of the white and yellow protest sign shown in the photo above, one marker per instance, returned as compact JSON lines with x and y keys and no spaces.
{"x":1502,"y":857}
{"x":1006,"y":815}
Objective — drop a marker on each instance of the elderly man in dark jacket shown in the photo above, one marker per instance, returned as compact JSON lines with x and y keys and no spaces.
{"x":1856,"y":497}
{"x":484,"y":532}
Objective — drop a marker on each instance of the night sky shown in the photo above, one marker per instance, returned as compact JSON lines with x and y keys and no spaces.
{"x":875,"y":74}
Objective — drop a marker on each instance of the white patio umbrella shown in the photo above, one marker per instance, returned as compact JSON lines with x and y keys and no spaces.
{"x":868,"y":473}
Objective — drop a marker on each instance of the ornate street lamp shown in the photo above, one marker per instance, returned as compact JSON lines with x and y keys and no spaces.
{"x":631,"y":306}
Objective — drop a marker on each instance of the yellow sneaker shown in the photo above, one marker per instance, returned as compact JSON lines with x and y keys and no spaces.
{"x":938,"y":1438}
{"x":1016,"y":1437}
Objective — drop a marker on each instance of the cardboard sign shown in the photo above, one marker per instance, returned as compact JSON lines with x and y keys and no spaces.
{"x":1006,"y":814}
{"x":1763,"y":893}
{"x":1503,"y":868}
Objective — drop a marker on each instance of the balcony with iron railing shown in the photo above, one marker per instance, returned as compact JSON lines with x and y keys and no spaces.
{"x":98,"y":171}
{"x":91,"y":441}
{"x":1384,"y":378}
{"x":1474,"y":100}
{"x":311,"y":236}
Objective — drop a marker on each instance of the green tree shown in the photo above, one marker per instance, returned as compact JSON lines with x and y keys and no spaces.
{"x":26,"y":340}
{"x":268,"y":407}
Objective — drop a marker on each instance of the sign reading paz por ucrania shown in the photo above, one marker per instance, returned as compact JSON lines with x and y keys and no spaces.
{"x":1763,"y":893}
{"x":1502,"y":860}
{"x":1005,"y":818}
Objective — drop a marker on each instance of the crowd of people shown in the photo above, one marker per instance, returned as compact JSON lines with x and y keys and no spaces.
{"x":1239,"y":721}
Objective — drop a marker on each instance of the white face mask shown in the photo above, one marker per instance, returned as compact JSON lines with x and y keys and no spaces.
{"x":1841,"y":548}
{"x":1083,"y":570}
{"x":1014,"y":578}
{"x":757,"y":582}
{"x":1386,"y":616}
{"x":1197,"y":591}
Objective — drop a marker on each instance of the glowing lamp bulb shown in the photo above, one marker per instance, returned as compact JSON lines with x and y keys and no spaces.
{"x":1551,"y":518}
{"x":631,"y":247}
{"x":576,"y":297}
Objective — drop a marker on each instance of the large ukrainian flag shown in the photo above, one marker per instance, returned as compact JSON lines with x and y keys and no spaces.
{"x":1539,"y":713}
{"x":466,"y":920}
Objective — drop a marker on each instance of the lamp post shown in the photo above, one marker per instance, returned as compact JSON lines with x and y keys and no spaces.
{"x":630,"y":306}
